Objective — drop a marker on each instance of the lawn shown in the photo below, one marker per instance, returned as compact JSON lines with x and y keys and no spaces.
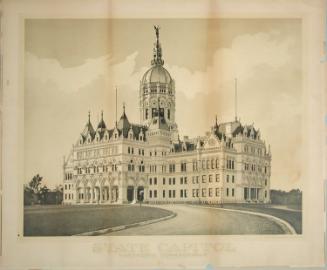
{"x":71,"y":220}
{"x":292,"y":217}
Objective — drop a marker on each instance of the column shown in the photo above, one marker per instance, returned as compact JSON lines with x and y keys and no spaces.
{"x":84,"y":194}
{"x":135,"y":193}
{"x":92,"y":194}
{"x":109,"y":194}
{"x":101,"y":194}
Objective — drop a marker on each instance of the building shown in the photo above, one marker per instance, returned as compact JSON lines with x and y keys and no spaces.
{"x":148,"y":161}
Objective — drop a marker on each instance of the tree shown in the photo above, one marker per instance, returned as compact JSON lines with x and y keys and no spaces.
{"x":35,"y":183}
{"x":43,"y":192}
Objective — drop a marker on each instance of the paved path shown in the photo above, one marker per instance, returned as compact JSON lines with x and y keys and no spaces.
{"x":195,"y":220}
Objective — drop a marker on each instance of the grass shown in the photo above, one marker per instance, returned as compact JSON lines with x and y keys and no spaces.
{"x":292,"y":217}
{"x":71,"y":220}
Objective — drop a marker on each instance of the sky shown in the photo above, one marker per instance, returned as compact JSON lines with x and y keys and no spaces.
{"x":72,"y":66}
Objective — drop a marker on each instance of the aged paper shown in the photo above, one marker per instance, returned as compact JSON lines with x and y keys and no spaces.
{"x":175,"y":135}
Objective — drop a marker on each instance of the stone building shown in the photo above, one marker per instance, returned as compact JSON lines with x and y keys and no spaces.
{"x":148,"y":161}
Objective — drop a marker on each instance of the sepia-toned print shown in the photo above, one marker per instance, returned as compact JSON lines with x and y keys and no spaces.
{"x":162,"y":127}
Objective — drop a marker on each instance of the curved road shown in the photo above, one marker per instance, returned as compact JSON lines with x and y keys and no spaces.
{"x":196,"y":220}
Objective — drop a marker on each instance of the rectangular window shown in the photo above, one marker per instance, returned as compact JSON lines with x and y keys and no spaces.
{"x":193,"y":193}
{"x":169,"y":181}
{"x":203,"y":178}
{"x":185,"y":193}
{"x":217,"y":177}
{"x":197,"y":179}
{"x":174,"y":181}
{"x":217,"y":192}
{"x":197,"y":193}
{"x":183,"y":167}
{"x":169,"y":193}
{"x":210,"y":192}
{"x":185,"y":180}
{"x":181,"y":193}
{"x":233,"y":178}
{"x":174,"y":193}
{"x":163,"y":181}
{"x":210,"y":178}
{"x":155,"y":180}
{"x":150,"y":181}
{"x":204,"y":192}
{"x":227,"y":192}
{"x":227,"y":178}
{"x":163,"y":193}
{"x":155,"y":193}
{"x":181,"y":181}
{"x":232,"y":192}
{"x":150,"y":194}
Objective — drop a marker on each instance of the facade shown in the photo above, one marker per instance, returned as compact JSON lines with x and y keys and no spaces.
{"x":149,"y":162}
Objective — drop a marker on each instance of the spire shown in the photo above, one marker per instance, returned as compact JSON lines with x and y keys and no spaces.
{"x":101,"y":115}
{"x":157,"y":51}
{"x":123,"y":107}
{"x":236,"y":99}
{"x":89,"y":117}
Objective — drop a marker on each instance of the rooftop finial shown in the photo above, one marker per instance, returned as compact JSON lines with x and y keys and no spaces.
{"x":236,"y":99}
{"x":124,"y":107}
{"x":101,"y":115}
{"x":89,"y":117}
{"x":157,"y":51}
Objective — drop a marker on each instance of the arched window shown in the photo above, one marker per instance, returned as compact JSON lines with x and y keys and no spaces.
{"x":168,"y":114}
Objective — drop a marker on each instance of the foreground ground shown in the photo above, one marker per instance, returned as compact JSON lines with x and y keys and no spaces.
{"x":190,"y":220}
{"x":70,"y":220}
{"x":197,"y":220}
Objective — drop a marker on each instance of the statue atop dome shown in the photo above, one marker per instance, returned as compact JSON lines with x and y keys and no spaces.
{"x":157,"y":51}
{"x":157,"y":28}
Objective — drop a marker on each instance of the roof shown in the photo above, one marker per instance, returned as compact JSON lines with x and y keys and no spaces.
{"x":157,"y":74}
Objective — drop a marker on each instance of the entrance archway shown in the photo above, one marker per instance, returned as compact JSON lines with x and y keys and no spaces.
{"x":130,"y":193}
{"x":140,"y":193}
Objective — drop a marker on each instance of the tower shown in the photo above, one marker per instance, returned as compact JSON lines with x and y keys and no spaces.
{"x":157,"y":92}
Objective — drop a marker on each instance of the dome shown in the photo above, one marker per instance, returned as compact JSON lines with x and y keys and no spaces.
{"x":157,"y":74}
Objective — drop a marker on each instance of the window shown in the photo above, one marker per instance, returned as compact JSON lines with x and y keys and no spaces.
{"x":233,"y":178}
{"x":169,"y":181}
{"x":150,"y":195}
{"x":227,"y":178}
{"x":217,"y":192}
{"x":150,"y":181}
{"x":169,"y":193}
{"x":210,"y":178}
{"x":168,"y":114}
{"x":265,"y":182}
{"x":197,"y":193}
{"x":155,"y":193}
{"x":210,"y":192}
{"x":203,"y":178}
{"x":227,"y":192}
{"x":173,"y":181}
{"x":204,"y":192}
{"x":217,"y":177}
{"x":265,"y":193}
{"x":181,"y":180}
{"x":174,"y":193}
{"x":217,"y":163}
{"x":193,"y":193}
{"x":163,"y":193}
{"x":146,"y":113}
{"x":232,"y":192}
{"x":185,"y":193}
{"x":171,"y":168}
{"x":155,"y":180}
{"x":183,"y":167}
{"x":163,"y":181}
{"x":185,"y":180}
{"x":212,"y":164}
{"x":181,"y":193}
